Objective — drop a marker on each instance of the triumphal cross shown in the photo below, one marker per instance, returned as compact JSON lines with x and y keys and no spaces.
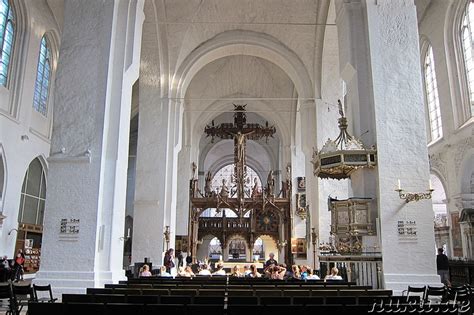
{"x":240,"y":131}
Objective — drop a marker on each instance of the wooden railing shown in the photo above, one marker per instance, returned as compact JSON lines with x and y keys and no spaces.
{"x":361,"y":269}
{"x":224,"y":223}
{"x":461,"y":272}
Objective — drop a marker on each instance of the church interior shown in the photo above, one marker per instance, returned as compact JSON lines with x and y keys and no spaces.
{"x":325,"y":133}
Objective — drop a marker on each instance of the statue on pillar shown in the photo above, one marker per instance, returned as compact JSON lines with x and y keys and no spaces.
{"x":207,"y":187}
{"x":270,"y":184}
{"x":224,"y":190}
{"x":255,"y":189}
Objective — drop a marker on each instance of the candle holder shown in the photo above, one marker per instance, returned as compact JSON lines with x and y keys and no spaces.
{"x":166,"y":234}
{"x":412,"y":196}
{"x":281,"y":244}
{"x":125,"y":238}
{"x":314,"y":241}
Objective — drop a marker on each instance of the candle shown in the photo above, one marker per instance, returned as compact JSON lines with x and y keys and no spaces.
{"x":399,"y":185}
{"x":128,"y":233}
{"x":431,"y":185}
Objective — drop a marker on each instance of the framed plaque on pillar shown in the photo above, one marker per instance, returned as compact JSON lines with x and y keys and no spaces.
{"x":181,"y":243}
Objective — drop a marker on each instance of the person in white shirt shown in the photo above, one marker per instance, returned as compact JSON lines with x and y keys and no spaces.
{"x":246,"y":271}
{"x":333,"y":275}
{"x":220,"y":271}
{"x":311,"y":275}
{"x":163,"y":272}
{"x":204,"y":271}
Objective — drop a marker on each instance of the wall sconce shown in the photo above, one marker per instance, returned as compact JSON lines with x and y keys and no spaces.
{"x":281,"y":244}
{"x":125,"y":238}
{"x":410,"y":196}
{"x":10,"y":232}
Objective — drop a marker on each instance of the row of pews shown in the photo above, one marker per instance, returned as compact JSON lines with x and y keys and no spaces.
{"x":230,"y":296}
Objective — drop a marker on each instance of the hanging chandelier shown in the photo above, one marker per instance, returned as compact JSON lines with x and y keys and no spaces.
{"x":338,"y":158}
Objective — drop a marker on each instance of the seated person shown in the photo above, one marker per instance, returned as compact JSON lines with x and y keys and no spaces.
{"x":246,"y":271}
{"x":163,"y":272}
{"x":277,"y":273}
{"x":180,"y":272}
{"x":333,"y":275}
{"x":312,"y":275}
{"x":254,"y":272}
{"x":188,"y":272}
{"x":304,"y":272}
{"x":144,"y":271}
{"x":236,"y":272}
{"x":220,"y":270}
{"x":288,"y":273}
{"x":204,"y":271}
{"x":295,"y":272}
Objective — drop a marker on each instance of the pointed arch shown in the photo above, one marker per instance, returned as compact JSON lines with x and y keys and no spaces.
{"x":33,"y":193}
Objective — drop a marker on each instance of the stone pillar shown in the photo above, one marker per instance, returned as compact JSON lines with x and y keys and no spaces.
{"x":400,"y":135}
{"x":184,"y":176}
{"x":308,"y":142}
{"x":159,"y":134}
{"x":86,"y":193}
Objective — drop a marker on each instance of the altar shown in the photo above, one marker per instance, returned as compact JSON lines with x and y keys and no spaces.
{"x":244,"y":210}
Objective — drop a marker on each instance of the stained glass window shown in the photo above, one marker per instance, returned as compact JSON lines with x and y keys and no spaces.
{"x":468,"y":46}
{"x":432,"y":98}
{"x":43,"y":75}
{"x":33,"y":195}
{"x":7,"y":32}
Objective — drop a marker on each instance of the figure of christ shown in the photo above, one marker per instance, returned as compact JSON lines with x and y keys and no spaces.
{"x":240,"y":141}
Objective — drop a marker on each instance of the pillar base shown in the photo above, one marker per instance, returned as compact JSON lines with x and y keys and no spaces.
{"x":77,"y":281}
{"x":399,"y":282}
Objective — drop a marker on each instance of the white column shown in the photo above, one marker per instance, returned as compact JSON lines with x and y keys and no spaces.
{"x":87,"y":183}
{"x":148,"y":217}
{"x":399,"y":115}
{"x":308,"y":142}
{"x":184,"y":176}
{"x":157,"y":155}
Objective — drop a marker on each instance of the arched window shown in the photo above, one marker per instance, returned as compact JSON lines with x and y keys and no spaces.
{"x":7,"y":32}
{"x":432,"y":98}
{"x":43,"y":75}
{"x":227,"y":173}
{"x":467,"y":38}
{"x":33,"y":195}
{"x":215,"y":248}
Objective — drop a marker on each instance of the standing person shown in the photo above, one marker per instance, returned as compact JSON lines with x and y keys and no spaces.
{"x":19,"y":262}
{"x":5,"y":270}
{"x":271,"y":261}
{"x":180,"y":258}
{"x":442,"y":267}
{"x":189,"y":259}
{"x":168,"y":260}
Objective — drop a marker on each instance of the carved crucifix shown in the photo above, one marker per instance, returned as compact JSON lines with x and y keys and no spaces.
{"x":240,"y":131}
